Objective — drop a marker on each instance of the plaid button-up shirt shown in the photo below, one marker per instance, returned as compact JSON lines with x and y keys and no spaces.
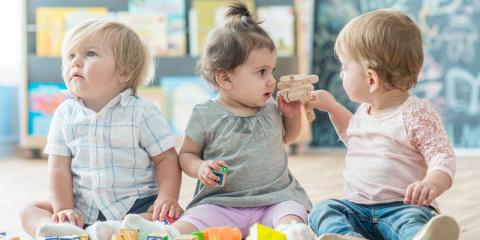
{"x":110,"y":152}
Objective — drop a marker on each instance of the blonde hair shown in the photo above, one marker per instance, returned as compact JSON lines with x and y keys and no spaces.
{"x":131,"y":56}
{"x":386,"y":41}
{"x":228,"y":46}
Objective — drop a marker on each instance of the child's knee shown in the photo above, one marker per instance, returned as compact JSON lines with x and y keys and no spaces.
{"x":325,"y":205}
{"x":28,"y":209}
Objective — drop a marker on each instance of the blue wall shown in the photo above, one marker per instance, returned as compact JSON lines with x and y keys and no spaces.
{"x":9,"y":119}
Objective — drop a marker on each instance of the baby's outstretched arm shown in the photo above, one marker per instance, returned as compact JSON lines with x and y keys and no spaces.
{"x":292,"y":119}
{"x":61,"y":191}
{"x":339,"y":115}
{"x":169,"y":178}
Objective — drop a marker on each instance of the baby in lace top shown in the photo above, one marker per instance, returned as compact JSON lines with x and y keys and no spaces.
{"x":399,"y":158}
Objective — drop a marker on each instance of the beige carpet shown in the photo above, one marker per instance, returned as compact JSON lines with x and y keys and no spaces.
{"x":23,"y":180}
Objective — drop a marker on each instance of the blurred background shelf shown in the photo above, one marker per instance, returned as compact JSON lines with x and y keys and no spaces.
{"x":44,"y":75}
{"x":48,"y":69}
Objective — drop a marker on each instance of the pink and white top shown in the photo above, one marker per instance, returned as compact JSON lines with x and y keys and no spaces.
{"x":388,"y":152}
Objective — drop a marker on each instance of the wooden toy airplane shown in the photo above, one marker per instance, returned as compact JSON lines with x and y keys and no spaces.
{"x":298,"y":87}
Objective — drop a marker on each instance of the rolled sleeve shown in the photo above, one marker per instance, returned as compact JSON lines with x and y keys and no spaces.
{"x":155,"y":135}
{"x":56,"y":144}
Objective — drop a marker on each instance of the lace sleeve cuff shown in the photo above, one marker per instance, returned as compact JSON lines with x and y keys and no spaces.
{"x":443,"y":163}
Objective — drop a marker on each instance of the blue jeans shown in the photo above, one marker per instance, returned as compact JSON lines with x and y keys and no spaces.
{"x":390,"y":221}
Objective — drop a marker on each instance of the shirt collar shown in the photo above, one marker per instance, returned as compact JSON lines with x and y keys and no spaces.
{"x":123,"y":98}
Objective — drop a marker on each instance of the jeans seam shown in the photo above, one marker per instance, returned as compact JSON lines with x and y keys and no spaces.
{"x":390,"y":227}
{"x":348,"y":212}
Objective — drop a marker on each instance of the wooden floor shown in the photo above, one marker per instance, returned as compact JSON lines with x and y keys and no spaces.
{"x":23,"y":180}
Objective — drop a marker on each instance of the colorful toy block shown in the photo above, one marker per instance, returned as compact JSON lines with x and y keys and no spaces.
{"x":222,"y":174}
{"x":71,"y":237}
{"x":122,"y":236}
{"x":199,"y":235}
{"x":261,"y":232}
{"x":157,"y":236}
{"x":222,"y":233}
{"x":4,"y":236}
{"x":134,"y":233}
{"x":168,"y":220}
{"x":186,"y":237}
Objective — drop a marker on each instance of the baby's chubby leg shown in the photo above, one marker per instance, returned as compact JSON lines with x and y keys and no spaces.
{"x":148,"y":227}
{"x":295,"y":230}
{"x":58,"y":230}
{"x":36,"y":220}
{"x":289,"y":217}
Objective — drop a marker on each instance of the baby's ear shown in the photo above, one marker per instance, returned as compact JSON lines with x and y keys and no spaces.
{"x":223,"y":79}
{"x":373,"y":80}
{"x":126,"y":74}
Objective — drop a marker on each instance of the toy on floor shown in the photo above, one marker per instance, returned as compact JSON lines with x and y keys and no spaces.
{"x":222,"y":174}
{"x":122,"y":236}
{"x":298,"y":87}
{"x":157,"y":236}
{"x":128,"y":234}
{"x":68,"y":237}
{"x":261,"y":232}
{"x":71,"y":237}
{"x":5,"y":236}
{"x":186,"y":237}
{"x":199,"y":235}
{"x":222,"y":233}
{"x":168,"y":220}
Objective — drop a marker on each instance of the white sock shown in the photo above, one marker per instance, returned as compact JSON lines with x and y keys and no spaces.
{"x":58,"y":229}
{"x":103,"y":230}
{"x":296,"y":231}
{"x":148,"y":227}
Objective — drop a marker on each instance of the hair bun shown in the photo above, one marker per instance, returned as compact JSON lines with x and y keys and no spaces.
{"x":238,"y":9}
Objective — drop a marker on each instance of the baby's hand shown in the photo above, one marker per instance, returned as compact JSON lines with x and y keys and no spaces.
{"x":68,"y":215}
{"x":164,"y":206}
{"x":421,"y":193}
{"x":321,"y":100}
{"x":205,"y":174}
{"x":291,"y":109}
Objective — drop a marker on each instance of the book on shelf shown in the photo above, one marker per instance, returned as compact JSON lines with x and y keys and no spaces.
{"x":182,"y":93}
{"x":175,"y":22}
{"x":150,"y":27}
{"x":53,"y":22}
{"x":154,"y":94}
{"x":43,"y":100}
{"x":279,"y":22}
{"x":206,"y":14}
{"x":304,"y":27}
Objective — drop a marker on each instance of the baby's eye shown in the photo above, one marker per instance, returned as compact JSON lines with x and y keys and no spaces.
{"x":261,"y":72}
{"x":71,"y":56}
{"x":91,"y":54}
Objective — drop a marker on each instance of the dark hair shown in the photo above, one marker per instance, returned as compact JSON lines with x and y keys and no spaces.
{"x":228,"y":46}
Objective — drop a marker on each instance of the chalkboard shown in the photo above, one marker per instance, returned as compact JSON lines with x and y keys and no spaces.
{"x":450,"y":77}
